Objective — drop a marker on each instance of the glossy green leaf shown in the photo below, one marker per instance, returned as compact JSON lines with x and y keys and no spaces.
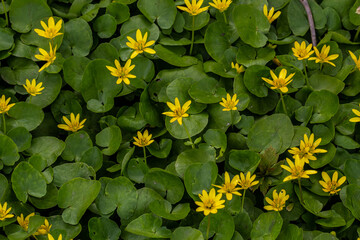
{"x":164,"y":11}
{"x":110,"y":138}
{"x":50,"y":148}
{"x":148,"y":225}
{"x":103,"y":228}
{"x":163,"y":209}
{"x":25,"y":115}
{"x":267,"y":226}
{"x":9,"y":150}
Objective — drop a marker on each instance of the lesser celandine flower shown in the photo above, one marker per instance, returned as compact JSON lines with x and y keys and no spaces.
{"x":322,"y":57}
{"x":280,"y":82}
{"x":270,"y":15}
{"x":229,"y":103}
{"x":302,"y":51}
{"x":32,"y":88}
{"x":49,"y":57}
{"x":140,"y":45}
{"x":4,"y":212}
{"x":239,"y":69}
{"x":4,"y":104}
{"x":356,"y":60}
{"x":122,"y":73}
{"x":193,"y":8}
{"x":210,"y":203}
{"x":248,"y":181}
{"x":296,"y":169}
{"x":221,"y":5}
{"x":178,"y":112}
{"x":73,"y":124}
{"x":278,"y":202}
{"x":354,"y":119}
{"x":50,"y":237}
{"x":307,"y":148}
{"x":143,"y":140}
{"x":51,"y":30}
{"x":229,"y":187}
{"x":331,"y":185}
{"x":43,"y":229}
{"x":24,"y":223}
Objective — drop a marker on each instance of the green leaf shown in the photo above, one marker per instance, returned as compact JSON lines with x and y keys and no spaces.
{"x":103,"y":228}
{"x":9,"y":151}
{"x":21,"y":137}
{"x":254,"y":82}
{"x":352,"y":166}
{"x":194,"y":123}
{"x":221,"y":224}
{"x":163,"y":209}
{"x":77,"y":37}
{"x":65,"y":172}
{"x":244,"y":160}
{"x":249,"y":56}
{"x":25,"y":13}
{"x":325,"y":104}
{"x":207,"y":90}
{"x":267,"y":226}
{"x":120,"y":12}
{"x":297,"y":18}
{"x":186,"y":233}
{"x":6,"y":38}
{"x":93,"y":157}
{"x":276,"y":131}
{"x":50,"y":148}
{"x":76,"y":145}
{"x":25,"y":115}
{"x":148,"y":225}
{"x":161,"y":150}
{"x":73,"y":69}
{"x":130,"y":118}
{"x":105,"y":51}
{"x":76,"y":196}
{"x":173,"y":56}
{"x":349,"y":195}
{"x":251,"y":25}
{"x":105,"y":26}
{"x":110,"y":138}
{"x":165,"y":183}
{"x":216,"y":138}
{"x":26,"y":180}
{"x":164,"y":11}
{"x":324,"y":158}
{"x":325,"y":82}
{"x":200,"y":20}
{"x":291,"y":232}
{"x":47,"y":201}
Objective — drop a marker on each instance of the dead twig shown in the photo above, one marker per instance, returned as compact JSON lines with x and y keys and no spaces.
{"x":305,"y":3}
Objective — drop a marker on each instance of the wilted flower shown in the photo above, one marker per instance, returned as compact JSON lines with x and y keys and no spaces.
{"x":122,"y":73}
{"x":4,"y":105}
{"x":209,"y":202}
{"x":323,"y":57}
{"x":307,"y":148}
{"x":329,"y":185}
{"x":302,"y":51}
{"x":229,"y":103}
{"x":270,"y":15}
{"x":140,"y":45}
{"x":178,"y":112}
{"x":51,"y":30}
{"x":279,"y":82}
{"x":73,"y":124}
{"x":24,"y":223}
{"x":221,"y":5}
{"x":32,"y":88}
{"x":143,"y":140}
{"x":194,"y":8}
{"x":4,"y":212}
{"x":278,"y":202}
{"x":229,"y":187}
{"x":45,"y":56}
{"x":297,"y":170}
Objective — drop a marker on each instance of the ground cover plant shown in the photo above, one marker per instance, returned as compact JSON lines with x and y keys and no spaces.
{"x":187,"y":119}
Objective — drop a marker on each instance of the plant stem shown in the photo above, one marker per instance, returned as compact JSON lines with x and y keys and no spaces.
{"x":243,"y":200}
{"x":225,"y":19}
{"x":306,"y":75}
{"x":6,"y":16}
{"x":357,"y":34}
{"x":301,"y":194}
{"x":231,"y":118}
{"x":3,"y":118}
{"x":321,"y":66}
{"x":192,"y":35}
{"x":283,"y":103}
{"x":30,"y":98}
{"x":208,"y":228}
{"x":144,"y":155}
{"x":188,"y":134}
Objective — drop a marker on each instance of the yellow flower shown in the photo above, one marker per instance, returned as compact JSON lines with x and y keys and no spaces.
{"x":221,"y":5}
{"x":307,"y":148}
{"x":123,"y":73}
{"x":357,"y":61}
{"x":72,"y":125}
{"x":143,"y":140}
{"x":302,"y":51}
{"x":248,"y":181}
{"x":239,"y":69}
{"x":278,"y":202}
{"x":279,"y":82}
{"x":4,"y":213}
{"x":323,"y":57}
{"x":140,"y":45}
{"x":178,"y":112}
{"x":270,"y":15}
{"x":50,"y":237}
{"x":329,"y":185}
{"x":51,"y":30}
{"x":4,"y":105}
{"x":194,"y":8}
{"x":229,"y":187}
{"x":209,"y":203}
{"x":354,"y":119}
{"x":43,"y":229}
{"x":45,"y":56}
{"x":24,"y":223}
{"x":297,"y":170}
{"x":229,"y":103}
{"x":32,"y":88}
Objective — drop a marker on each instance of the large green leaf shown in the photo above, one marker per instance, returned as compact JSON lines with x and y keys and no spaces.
{"x":148,"y":225}
{"x":164,"y":11}
{"x":25,"y":115}
{"x":103,"y":228}
{"x":8,"y":151}
{"x":50,"y":148}
{"x":267,"y":226}
{"x":325,"y":104}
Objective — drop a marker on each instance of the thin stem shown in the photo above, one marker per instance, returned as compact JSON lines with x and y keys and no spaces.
{"x":321,"y":66}
{"x":306,"y":75}
{"x":208,"y":228}
{"x":301,"y":194}
{"x":231,"y":118}
{"x":192,"y":35}
{"x":283,"y":103}
{"x":243,"y":200}
{"x":30,"y":98}
{"x":6,"y":16}
{"x":225,"y":19}
{"x":3,"y":118}
{"x":188,"y":134}
{"x":144,"y":155}
{"x":357,"y":34}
